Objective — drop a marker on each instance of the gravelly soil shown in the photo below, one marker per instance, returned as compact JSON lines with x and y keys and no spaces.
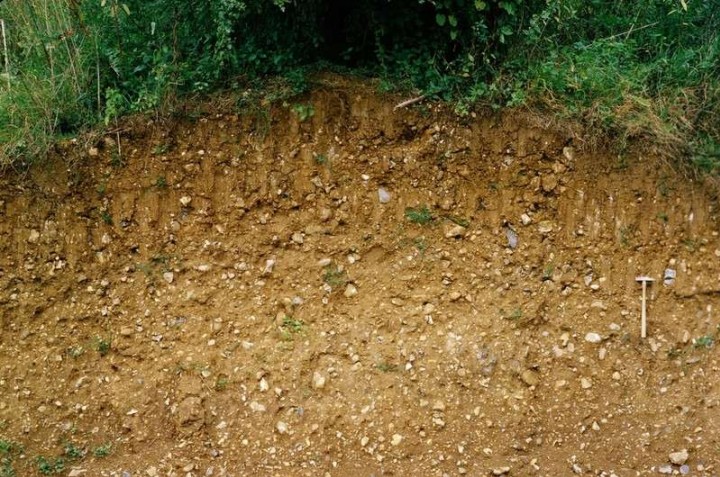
{"x":231,"y":296}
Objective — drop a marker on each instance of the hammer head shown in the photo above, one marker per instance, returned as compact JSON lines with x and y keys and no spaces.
{"x":645,"y":279}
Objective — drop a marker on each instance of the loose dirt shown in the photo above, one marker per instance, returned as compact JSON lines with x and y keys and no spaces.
{"x":341,"y":289}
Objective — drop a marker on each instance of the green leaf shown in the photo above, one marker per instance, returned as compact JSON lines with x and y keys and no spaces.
{"x":452,"y":20}
{"x":509,"y":7}
{"x":125,"y":7}
{"x":453,"y":35}
{"x":480,"y":5}
{"x":440,"y":19}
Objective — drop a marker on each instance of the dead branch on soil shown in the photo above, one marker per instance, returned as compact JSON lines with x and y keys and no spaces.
{"x":409,"y":102}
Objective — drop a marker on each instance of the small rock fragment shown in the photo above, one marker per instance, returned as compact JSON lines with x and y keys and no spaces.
{"x":281,"y":427}
{"x":501,"y":470}
{"x":457,"y":231}
{"x":669,"y":277}
{"x":530,"y":377}
{"x":396,"y":439}
{"x":169,"y":277}
{"x":593,"y":338}
{"x":350,"y":290}
{"x":680,"y":457}
{"x":438,"y":406}
{"x":585,"y":383}
{"x":269,"y":265}
{"x":383,"y":195}
{"x":257,"y":407}
{"x":185,"y":200}
{"x":34,"y":236}
{"x":512,"y":237}
{"x":318,"y":380}
{"x":545,"y":227}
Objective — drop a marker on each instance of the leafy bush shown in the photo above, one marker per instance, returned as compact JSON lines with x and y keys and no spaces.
{"x":646,"y":69}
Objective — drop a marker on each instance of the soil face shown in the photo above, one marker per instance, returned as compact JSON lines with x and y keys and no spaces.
{"x":349,"y":290}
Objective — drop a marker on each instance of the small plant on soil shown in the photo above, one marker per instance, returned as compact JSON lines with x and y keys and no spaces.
{"x":514,"y":315}
{"x":101,"y":189}
{"x":704,"y":342}
{"x":6,"y":446}
{"x":161,"y":182}
{"x":103,"y":450}
{"x":304,"y":111}
{"x":420,"y":215}
{"x":160,"y":149}
{"x":663,"y":217}
{"x":106,"y":217}
{"x":335,"y":277}
{"x":321,"y":159}
{"x":6,"y":449}
{"x":690,"y":244}
{"x":290,"y":327}
{"x":73,"y":452}
{"x":221,"y":383}
{"x":420,"y":244}
{"x":102,"y":346}
{"x":50,"y":466}
{"x":386,"y":367}
{"x":75,"y":351}
{"x":6,"y":467}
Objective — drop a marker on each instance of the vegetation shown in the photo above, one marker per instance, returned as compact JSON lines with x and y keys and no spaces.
{"x":7,"y":448}
{"x":335,"y":276}
{"x":50,"y":466}
{"x":645,"y":69}
{"x":420,"y":215}
{"x":103,"y":450}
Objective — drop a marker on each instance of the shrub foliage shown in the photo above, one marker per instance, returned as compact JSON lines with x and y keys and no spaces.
{"x":642,"y":68}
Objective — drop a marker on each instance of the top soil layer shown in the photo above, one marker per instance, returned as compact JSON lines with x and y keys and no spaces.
{"x":229,"y":296}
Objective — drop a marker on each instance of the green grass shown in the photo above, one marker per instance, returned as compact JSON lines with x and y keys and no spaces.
{"x":420,"y":215}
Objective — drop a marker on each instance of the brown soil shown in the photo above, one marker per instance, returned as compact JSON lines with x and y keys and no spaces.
{"x":138,"y":308}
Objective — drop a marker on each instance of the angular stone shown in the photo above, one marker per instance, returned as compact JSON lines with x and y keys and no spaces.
{"x":679,"y":458}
